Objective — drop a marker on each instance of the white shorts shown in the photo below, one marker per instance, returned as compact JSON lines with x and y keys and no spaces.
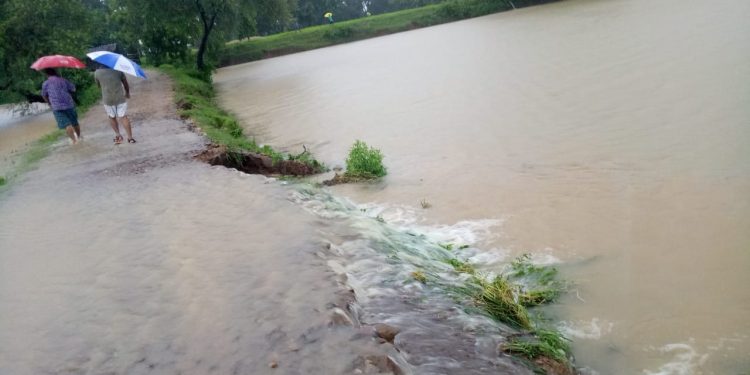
{"x":116,"y":110}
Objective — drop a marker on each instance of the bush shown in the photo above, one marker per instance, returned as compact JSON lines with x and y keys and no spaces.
{"x":364,"y":162}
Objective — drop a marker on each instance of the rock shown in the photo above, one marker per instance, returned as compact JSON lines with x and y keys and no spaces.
{"x":386,"y":332}
{"x":376,"y":364}
{"x":273,"y":364}
{"x":340,"y":318}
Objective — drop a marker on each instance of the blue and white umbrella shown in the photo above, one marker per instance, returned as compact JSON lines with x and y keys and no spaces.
{"x":117,"y":61}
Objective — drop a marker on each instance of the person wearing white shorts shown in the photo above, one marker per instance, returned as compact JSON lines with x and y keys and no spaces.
{"x":115,"y":92}
{"x":115,"y":111}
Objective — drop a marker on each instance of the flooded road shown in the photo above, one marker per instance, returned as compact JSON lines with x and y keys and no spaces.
{"x":138,"y":259}
{"x":611,"y":135}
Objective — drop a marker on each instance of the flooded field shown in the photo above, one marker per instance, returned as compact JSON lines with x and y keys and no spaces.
{"x":607,"y":135}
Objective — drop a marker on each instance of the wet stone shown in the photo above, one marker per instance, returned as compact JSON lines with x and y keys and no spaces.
{"x":386,"y":332}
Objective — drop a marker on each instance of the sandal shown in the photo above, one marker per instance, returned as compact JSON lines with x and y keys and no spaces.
{"x":131,"y":140}
{"x":118,"y":139}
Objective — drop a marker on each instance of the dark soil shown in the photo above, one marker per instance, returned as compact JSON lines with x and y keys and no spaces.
{"x":253,"y":163}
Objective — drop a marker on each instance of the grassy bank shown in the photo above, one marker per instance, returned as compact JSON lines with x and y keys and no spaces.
{"x":362,"y":28}
{"x":196,"y":99}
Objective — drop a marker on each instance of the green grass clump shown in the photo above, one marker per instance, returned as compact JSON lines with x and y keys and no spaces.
{"x":540,"y":285}
{"x":460,"y":266}
{"x":544,"y":342}
{"x":364,"y":162}
{"x":498,"y":299}
{"x":2,"y":180}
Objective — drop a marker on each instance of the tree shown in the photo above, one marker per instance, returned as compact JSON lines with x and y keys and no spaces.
{"x":208,"y":11}
{"x":31,"y":29}
{"x":163,"y":31}
{"x":273,"y":16}
{"x":310,"y":12}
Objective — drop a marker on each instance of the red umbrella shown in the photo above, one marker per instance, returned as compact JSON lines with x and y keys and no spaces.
{"x":57,"y":61}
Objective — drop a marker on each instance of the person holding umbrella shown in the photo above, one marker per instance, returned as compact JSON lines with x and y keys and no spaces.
{"x":115,"y":89}
{"x":115,"y":93}
{"x":57,"y":91}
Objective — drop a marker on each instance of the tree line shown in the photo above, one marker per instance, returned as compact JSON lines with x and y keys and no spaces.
{"x":175,"y":31}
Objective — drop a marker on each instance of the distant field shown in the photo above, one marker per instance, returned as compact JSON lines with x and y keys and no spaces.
{"x":258,"y":48}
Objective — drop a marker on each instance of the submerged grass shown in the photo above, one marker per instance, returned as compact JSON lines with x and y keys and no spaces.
{"x":540,"y":282}
{"x":195,"y":99}
{"x":498,"y":299}
{"x":461,"y":266}
{"x":507,"y":297}
{"x":548,"y":343}
{"x":419,"y":276}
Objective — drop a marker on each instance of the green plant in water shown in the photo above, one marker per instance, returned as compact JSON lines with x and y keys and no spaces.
{"x":460,"y":266}
{"x":364,"y":162}
{"x":536,"y":297}
{"x":2,"y":181}
{"x":446,"y":246}
{"x":463,"y":247}
{"x":419,"y":276}
{"x":540,"y":282}
{"x":544,"y":342}
{"x":498,"y":298}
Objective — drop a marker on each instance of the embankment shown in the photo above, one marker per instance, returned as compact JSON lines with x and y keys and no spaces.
{"x":363,"y":28}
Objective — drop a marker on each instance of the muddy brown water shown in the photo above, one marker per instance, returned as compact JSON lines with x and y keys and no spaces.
{"x":608,"y":135}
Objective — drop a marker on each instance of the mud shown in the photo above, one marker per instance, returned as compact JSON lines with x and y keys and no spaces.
{"x":253,"y":163}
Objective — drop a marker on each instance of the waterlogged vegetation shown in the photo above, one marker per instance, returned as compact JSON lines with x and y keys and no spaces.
{"x":505,"y":295}
{"x":507,"y":298}
{"x":195,"y":99}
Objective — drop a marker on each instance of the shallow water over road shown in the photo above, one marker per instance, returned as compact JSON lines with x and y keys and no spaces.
{"x":609,"y":134}
{"x":138,"y":259}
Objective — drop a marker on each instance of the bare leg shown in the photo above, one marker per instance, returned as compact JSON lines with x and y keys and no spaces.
{"x":115,"y":126}
{"x":126,"y":125}
{"x":77,"y":128}
{"x":71,"y":133}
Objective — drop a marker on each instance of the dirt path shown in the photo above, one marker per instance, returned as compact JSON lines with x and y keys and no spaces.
{"x":138,"y":259}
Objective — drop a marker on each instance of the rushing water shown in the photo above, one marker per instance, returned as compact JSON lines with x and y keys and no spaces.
{"x":609,"y":134}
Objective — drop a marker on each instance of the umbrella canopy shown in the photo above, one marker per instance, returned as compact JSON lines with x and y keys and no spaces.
{"x":328,"y":15}
{"x":117,"y":61}
{"x":57,"y":61}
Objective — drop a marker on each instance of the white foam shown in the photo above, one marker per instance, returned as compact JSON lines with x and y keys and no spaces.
{"x":685,"y":360}
{"x":593,"y":329}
